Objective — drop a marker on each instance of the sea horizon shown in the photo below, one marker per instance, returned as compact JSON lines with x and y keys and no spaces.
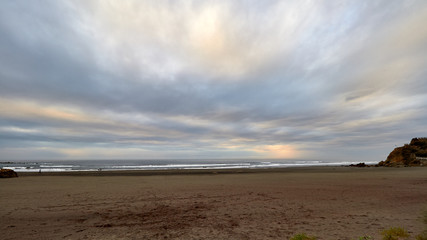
{"x":161,"y":164}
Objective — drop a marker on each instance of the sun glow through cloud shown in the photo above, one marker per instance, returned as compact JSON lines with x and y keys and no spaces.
{"x":277,"y":151}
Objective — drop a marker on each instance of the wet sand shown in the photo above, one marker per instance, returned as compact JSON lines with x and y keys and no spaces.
{"x":327,"y":202}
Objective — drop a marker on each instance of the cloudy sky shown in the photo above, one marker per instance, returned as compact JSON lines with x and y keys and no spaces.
{"x":294,"y":79}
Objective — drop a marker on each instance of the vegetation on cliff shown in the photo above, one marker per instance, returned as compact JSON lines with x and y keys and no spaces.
{"x":412,"y":154}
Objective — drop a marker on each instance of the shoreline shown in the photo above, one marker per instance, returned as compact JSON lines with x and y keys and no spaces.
{"x":149,"y":165}
{"x":206,"y":171}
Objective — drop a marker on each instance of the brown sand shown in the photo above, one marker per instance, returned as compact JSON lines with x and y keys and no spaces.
{"x":331,"y":203}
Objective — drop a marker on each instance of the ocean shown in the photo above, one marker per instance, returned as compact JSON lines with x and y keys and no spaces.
{"x":115,"y":165}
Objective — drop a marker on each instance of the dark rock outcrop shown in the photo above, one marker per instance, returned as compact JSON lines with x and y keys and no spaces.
{"x":7,"y":173}
{"x":412,"y":154}
{"x":359,"y":165}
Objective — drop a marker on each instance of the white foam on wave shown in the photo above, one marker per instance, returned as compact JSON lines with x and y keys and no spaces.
{"x":31,"y":169}
{"x":56,"y":169}
{"x":21,"y":169}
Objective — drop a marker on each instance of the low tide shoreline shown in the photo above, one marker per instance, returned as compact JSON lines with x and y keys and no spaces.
{"x":301,"y":169}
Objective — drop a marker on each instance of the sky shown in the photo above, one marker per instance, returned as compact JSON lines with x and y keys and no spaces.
{"x":293,"y":79}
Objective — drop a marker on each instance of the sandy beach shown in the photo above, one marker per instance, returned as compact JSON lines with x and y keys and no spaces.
{"x":327,"y":202}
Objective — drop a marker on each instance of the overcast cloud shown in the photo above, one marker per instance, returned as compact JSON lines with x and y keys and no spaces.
{"x":211,"y":79}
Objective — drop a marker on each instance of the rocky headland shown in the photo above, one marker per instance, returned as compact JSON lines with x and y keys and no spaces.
{"x":412,"y":154}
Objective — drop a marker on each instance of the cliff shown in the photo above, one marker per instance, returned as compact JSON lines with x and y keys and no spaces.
{"x":412,"y":154}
